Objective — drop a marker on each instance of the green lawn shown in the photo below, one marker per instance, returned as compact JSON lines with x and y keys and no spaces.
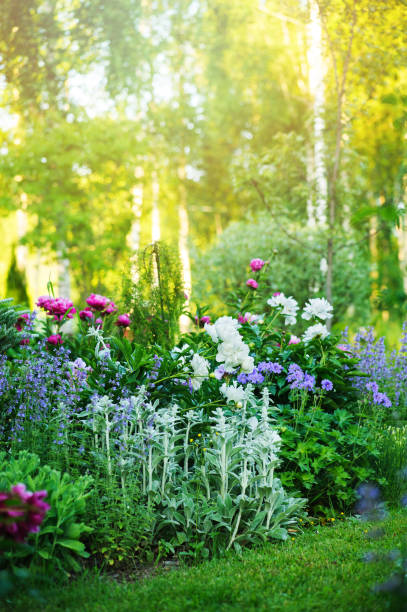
{"x":321,"y":570}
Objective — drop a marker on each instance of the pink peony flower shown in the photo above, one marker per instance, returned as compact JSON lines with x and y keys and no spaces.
{"x":21,"y":512}
{"x":243,"y":318}
{"x":97,"y":302}
{"x":252,"y":283}
{"x":276,"y":293}
{"x":99,"y":322}
{"x":257,"y":264}
{"x":110,"y":309}
{"x":54,"y":339}
{"x":22,"y":320}
{"x":123,"y":320}
{"x":43,"y":301}
{"x":86,"y":314}
{"x":56,"y":307}
{"x":294,"y":340}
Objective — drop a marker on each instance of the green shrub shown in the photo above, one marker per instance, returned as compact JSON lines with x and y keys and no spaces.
{"x":222,"y":268}
{"x":326,"y":455}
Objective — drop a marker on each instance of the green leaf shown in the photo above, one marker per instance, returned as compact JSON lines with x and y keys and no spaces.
{"x":75,"y":545}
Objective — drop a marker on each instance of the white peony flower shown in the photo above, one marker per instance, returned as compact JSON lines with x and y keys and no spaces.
{"x":232,"y":351}
{"x":233,"y":393}
{"x":226,"y":328}
{"x":247,"y":365}
{"x":315,"y":330}
{"x":200,"y":367}
{"x":210,"y":329}
{"x":288,"y":305}
{"x":319,"y":308}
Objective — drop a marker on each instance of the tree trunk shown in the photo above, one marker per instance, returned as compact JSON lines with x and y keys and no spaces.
{"x":317,"y":214}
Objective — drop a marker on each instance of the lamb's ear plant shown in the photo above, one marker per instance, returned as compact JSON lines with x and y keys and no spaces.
{"x":203,"y":481}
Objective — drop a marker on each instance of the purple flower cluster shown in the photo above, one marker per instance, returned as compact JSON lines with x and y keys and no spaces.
{"x":386,"y":374}
{"x":380,"y":399}
{"x":299,"y":379}
{"x":270,"y":367}
{"x":259,"y":373}
{"x":30,"y":390}
{"x":152,"y":375}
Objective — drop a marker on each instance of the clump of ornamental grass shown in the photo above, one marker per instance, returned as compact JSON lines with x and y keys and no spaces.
{"x":154,"y":295}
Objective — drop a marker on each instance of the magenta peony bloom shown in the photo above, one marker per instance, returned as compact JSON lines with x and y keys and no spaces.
{"x":110,"y":309}
{"x":123,"y":320}
{"x":21,"y":512}
{"x":252,"y":283}
{"x":257,"y":264}
{"x":24,"y":341}
{"x":97,"y":302}
{"x":56,"y":307}
{"x":294,"y":340}
{"x":44,"y":301}
{"x":86,"y":314}
{"x":99,"y":322}
{"x":242,"y":318}
{"x":22,"y":320}
{"x":276,"y":293}
{"x":55,"y":339}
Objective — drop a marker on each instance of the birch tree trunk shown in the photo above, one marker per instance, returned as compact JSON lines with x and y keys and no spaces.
{"x":317,"y":206}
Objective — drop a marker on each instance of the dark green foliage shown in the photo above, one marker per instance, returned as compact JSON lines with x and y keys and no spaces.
{"x":155,"y":300}
{"x":9,"y":336}
{"x":16,"y":282}
{"x":121,"y":524}
{"x":391,"y":463}
{"x":325,"y":456}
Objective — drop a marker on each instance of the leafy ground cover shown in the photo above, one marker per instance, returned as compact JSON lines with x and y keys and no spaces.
{"x":323,"y":568}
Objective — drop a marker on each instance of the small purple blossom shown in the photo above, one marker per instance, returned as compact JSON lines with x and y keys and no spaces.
{"x":326,"y":385}
{"x":255,"y":377}
{"x":219,"y":372}
{"x":242,"y":378}
{"x":270,"y":367}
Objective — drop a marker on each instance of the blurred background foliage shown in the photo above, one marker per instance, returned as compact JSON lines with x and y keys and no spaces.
{"x":233,"y":129}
